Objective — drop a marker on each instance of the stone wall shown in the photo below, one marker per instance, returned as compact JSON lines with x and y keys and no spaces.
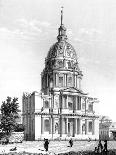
{"x":16,"y":137}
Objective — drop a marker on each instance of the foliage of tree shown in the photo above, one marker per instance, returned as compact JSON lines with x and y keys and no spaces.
{"x":9,"y":111}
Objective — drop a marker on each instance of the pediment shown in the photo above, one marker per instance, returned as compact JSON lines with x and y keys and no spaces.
{"x":73,"y":90}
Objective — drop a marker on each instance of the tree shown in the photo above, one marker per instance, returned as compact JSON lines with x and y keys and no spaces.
{"x":9,"y":111}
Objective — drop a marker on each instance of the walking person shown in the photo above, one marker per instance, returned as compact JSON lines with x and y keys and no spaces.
{"x":105,"y":147}
{"x":71,"y":142}
{"x":46,"y":144}
{"x":100,"y":147}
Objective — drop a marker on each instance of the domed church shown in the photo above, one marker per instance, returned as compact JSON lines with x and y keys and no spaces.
{"x":63,"y":110}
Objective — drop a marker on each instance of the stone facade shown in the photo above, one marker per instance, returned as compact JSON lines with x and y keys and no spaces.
{"x":66,"y":111}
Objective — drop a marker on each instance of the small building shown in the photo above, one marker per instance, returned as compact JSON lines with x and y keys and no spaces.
{"x":104,"y":130}
{"x":112,"y":131}
{"x":107,"y":128}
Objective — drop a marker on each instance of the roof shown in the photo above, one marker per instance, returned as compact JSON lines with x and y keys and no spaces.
{"x":62,"y":49}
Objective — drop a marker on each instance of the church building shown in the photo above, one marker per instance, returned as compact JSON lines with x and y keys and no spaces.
{"x":62,"y":110}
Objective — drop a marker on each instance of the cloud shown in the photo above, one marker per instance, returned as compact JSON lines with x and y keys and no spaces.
{"x":34,"y":24}
{"x":88,"y":36}
{"x":25,"y":29}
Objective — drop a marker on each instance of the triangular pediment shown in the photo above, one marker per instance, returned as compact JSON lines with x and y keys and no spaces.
{"x":73,"y":90}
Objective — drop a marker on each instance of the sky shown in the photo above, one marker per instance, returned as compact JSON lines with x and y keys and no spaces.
{"x":28,"y":28}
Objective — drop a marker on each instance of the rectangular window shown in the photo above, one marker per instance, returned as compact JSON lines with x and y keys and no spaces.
{"x":90,"y":107}
{"x":46,"y":125}
{"x":78,"y":103}
{"x":64,"y":101}
{"x":70,"y":106}
{"x":69,"y":81}
{"x":90,"y":127}
{"x":60,"y":81}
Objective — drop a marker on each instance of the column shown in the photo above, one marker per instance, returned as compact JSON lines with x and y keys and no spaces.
{"x":57,"y":79}
{"x":86,"y":126}
{"x":67,"y":102}
{"x":93,"y":127}
{"x":43,"y":103}
{"x":80,"y":127}
{"x":53,"y":127}
{"x":54,"y":77}
{"x":75,"y":80}
{"x":75,"y":102}
{"x":50,"y":120}
{"x":64,"y":80}
{"x":79,"y":83}
{"x":76,"y":126}
{"x":42,"y":125}
{"x":60,"y":127}
{"x":66,"y":125}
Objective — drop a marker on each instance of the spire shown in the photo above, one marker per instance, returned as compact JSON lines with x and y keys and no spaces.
{"x":62,"y":30}
{"x":62,"y":14}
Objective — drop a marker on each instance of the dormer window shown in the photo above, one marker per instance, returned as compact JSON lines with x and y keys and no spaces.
{"x":69,"y":65}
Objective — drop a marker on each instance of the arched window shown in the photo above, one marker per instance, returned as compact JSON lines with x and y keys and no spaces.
{"x":46,"y":125}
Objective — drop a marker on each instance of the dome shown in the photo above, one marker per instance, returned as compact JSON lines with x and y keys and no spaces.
{"x":62,"y":49}
{"x":62,"y":54}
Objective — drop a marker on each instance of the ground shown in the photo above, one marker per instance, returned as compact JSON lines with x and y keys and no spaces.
{"x":55,"y":147}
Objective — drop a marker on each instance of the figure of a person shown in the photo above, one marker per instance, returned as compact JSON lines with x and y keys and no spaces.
{"x":96,"y":150}
{"x":46,"y":143}
{"x":100,"y":147}
{"x":71,"y":142}
{"x":105,"y":147}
